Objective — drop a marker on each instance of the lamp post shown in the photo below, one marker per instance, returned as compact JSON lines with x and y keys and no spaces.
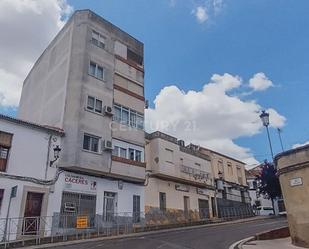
{"x":265,"y":120}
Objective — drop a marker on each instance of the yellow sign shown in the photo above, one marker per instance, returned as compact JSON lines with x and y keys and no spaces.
{"x":82,"y":222}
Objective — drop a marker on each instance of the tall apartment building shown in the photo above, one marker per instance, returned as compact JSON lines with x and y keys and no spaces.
{"x":89,"y":82}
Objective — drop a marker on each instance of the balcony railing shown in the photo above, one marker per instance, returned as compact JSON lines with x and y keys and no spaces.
{"x":196,"y":173}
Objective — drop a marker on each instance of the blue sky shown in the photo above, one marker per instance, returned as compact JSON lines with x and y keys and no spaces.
{"x":239,"y":38}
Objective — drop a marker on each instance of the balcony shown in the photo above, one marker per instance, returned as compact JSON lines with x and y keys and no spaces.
{"x":197,"y":174}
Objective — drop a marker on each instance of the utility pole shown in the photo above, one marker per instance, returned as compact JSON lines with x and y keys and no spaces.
{"x":280,"y":138}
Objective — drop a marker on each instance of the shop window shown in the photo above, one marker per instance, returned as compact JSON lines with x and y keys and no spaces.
{"x":74,"y":204}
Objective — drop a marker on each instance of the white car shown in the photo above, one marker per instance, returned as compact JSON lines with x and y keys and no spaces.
{"x":264,"y":210}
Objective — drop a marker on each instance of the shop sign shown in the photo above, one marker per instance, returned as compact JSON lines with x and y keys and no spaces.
{"x":183,"y":188}
{"x":78,"y":182}
{"x":296,"y":182}
{"x":201,"y":191}
{"x":82,"y":222}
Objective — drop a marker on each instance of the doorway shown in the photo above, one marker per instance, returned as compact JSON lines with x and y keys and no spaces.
{"x":32,"y":213}
{"x":109,"y":206}
{"x":186,"y":205}
{"x":203,"y":208}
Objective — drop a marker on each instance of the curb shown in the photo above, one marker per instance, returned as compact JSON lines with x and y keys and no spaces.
{"x":240,"y":243}
{"x":140,"y":234}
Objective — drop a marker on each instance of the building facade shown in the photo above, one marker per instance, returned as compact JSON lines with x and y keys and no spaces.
{"x":232,"y":189}
{"x":260,"y":204}
{"x":28,"y":174}
{"x":180,"y":182}
{"x":89,"y":81}
{"x":293,"y":170}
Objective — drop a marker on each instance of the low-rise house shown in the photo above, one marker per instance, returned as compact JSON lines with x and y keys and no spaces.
{"x":28,"y":174}
{"x":180,"y":182}
{"x":260,"y":204}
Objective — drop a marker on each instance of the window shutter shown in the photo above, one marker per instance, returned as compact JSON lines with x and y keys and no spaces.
{"x":6,"y":139}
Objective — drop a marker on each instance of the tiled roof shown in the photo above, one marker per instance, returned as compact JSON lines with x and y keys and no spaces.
{"x":46,"y":128}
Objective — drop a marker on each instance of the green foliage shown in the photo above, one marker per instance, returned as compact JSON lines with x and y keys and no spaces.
{"x":268,"y":182}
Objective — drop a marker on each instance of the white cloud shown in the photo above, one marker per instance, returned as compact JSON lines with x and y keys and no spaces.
{"x":201,"y":14}
{"x":210,"y":117}
{"x":260,"y":82}
{"x":300,"y":145}
{"x":217,"y":5}
{"x":27,"y":27}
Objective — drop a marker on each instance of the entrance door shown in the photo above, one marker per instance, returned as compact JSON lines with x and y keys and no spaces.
{"x":136,"y":208}
{"x":213,"y":206}
{"x":32,"y":213}
{"x":109,"y":206}
{"x":186,"y":205}
{"x":203,"y":208}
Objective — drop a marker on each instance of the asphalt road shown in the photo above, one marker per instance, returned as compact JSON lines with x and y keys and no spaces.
{"x":215,"y":237}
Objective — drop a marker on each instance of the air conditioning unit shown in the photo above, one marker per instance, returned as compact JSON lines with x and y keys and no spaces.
{"x":108,"y":110}
{"x":108,"y":145}
{"x":181,"y":143}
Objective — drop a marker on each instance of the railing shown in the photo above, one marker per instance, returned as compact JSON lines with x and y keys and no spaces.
{"x":23,"y":231}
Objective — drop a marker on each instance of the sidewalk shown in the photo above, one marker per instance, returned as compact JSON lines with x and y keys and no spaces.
{"x":140,"y":234}
{"x":270,"y":244}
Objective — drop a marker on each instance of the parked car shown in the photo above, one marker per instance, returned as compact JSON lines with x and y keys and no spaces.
{"x":261,"y":210}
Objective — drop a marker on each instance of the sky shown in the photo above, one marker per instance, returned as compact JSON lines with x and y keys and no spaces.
{"x":211,"y":66}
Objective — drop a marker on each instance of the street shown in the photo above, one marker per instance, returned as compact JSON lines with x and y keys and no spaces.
{"x":215,"y":237}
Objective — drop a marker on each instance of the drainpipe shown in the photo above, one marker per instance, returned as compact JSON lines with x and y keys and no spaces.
{"x":47,"y":159}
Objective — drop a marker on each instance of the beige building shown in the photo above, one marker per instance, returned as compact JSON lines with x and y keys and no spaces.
{"x":293,"y":169}
{"x":180,"y":180}
{"x":231,"y":184}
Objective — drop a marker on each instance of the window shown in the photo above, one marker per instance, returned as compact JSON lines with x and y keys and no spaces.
{"x":96,"y":70}
{"x":125,"y":115}
{"x":128,"y":116}
{"x":97,"y":39}
{"x":1,"y":197}
{"x":162,"y":200}
{"x":134,"y":57}
{"x":91,"y":143}
{"x":122,"y":152}
{"x":230,"y":169}
{"x":117,"y":113}
{"x":138,"y":155}
{"x":5,"y":145}
{"x":94,"y":104}
{"x":169,"y":155}
{"x":131,"y":154}
{"x":239,"y":175}
{"x":220,"y":167}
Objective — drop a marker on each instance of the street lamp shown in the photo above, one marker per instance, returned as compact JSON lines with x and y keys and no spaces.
{"x":57,"y":150}
{"x":265,"y":120}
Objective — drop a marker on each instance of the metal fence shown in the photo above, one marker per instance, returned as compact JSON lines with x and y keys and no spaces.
{"x":23,"y":231}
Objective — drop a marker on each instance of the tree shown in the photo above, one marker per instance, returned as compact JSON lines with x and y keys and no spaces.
{"x":268,"y":182}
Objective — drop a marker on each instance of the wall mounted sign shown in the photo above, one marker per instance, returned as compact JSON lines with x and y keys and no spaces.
{"x":296,"y":182}
{"x":81,"y":222}
{"x":79,"y":182}
{"x":183,"y":188}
